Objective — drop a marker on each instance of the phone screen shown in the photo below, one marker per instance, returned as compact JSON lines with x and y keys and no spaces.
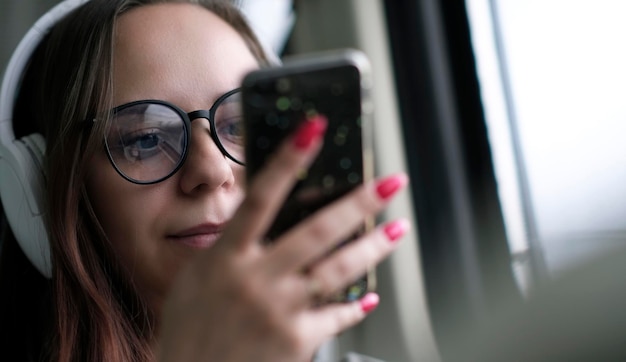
{"x":274,"y":107}
{"x":275,"y":103}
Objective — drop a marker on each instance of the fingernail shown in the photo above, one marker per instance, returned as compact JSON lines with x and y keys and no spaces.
{"x":309,"y":132}
{"x":396,"y":229}
{"x":390,"y":185}
{"x":369,"y":302}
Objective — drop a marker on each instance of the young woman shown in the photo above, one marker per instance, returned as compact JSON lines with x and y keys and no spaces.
{"x":154,"y":232}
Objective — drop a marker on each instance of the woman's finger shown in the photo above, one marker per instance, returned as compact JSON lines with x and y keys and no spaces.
{"x":267,"y":191}
{"x":332,"y":319}
{"x":353,"y":259}
{"x":315,"y":237}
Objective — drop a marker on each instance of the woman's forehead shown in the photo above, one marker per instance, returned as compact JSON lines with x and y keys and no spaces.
{"x":173,"y":49}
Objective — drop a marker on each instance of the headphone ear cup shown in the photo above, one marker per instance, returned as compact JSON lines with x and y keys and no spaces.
{"x":21,"y":185}
{"x":36,"y":148}
{"x":21,"y":161}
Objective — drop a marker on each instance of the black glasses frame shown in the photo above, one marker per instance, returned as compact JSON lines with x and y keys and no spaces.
{"x":187,"y":118}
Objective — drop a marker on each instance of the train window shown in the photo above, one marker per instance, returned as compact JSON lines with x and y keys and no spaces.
{"x":465,"y":257}
{"x":511,"y":121}
{"x":552,"y":77}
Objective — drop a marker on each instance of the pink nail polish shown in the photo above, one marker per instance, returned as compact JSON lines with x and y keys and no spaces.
{"x":309,"y":132}
{"x":369,"y":302}
{"x":396,"y":229}
{"x":390,"y":185}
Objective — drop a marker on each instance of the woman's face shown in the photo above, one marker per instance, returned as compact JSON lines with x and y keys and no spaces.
{"x":188,"y":56}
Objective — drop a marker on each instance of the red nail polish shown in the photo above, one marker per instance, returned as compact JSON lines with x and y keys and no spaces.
{"x":369,"y":302}
{"x":309,"y":132}
{"x":396,"y":229}
{"x":389,"y":186}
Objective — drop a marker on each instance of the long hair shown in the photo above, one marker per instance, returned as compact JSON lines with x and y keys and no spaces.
{"x":90,"y":308}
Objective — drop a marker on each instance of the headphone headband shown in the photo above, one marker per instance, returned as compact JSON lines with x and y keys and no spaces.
{"x":14,"y":71}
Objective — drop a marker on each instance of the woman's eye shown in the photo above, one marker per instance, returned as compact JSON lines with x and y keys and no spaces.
{"x":140,"y":146}
{"x":147,"y":141}
{"x":231,"y":129}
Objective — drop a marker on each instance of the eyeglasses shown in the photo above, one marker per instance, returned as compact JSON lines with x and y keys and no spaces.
{"x":148,"y":141}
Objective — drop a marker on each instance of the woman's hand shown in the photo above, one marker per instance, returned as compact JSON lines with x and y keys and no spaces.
{"x":242,"y":300}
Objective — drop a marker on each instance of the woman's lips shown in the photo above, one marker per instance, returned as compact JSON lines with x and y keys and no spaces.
{"x":199,"y":237}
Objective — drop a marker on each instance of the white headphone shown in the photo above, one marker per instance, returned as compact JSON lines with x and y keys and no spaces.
{"x":21,"y":160}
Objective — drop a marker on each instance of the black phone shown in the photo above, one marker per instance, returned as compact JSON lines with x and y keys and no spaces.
{"x":275,"y":101}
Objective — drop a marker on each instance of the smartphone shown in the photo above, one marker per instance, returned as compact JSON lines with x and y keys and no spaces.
{"x":275,"y":101}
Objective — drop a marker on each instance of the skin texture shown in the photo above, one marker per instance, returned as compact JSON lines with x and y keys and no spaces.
{"x":189,"y":63}
{"x":236,"y":300}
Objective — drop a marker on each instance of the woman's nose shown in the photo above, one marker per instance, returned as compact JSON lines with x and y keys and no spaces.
{"x":206,"y":167}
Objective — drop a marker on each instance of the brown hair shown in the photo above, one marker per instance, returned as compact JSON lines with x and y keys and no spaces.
{"x":96,"y":314}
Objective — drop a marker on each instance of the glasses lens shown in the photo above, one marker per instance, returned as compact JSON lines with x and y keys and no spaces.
{"x":146,"y":141}
{"x":229,"y":126}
